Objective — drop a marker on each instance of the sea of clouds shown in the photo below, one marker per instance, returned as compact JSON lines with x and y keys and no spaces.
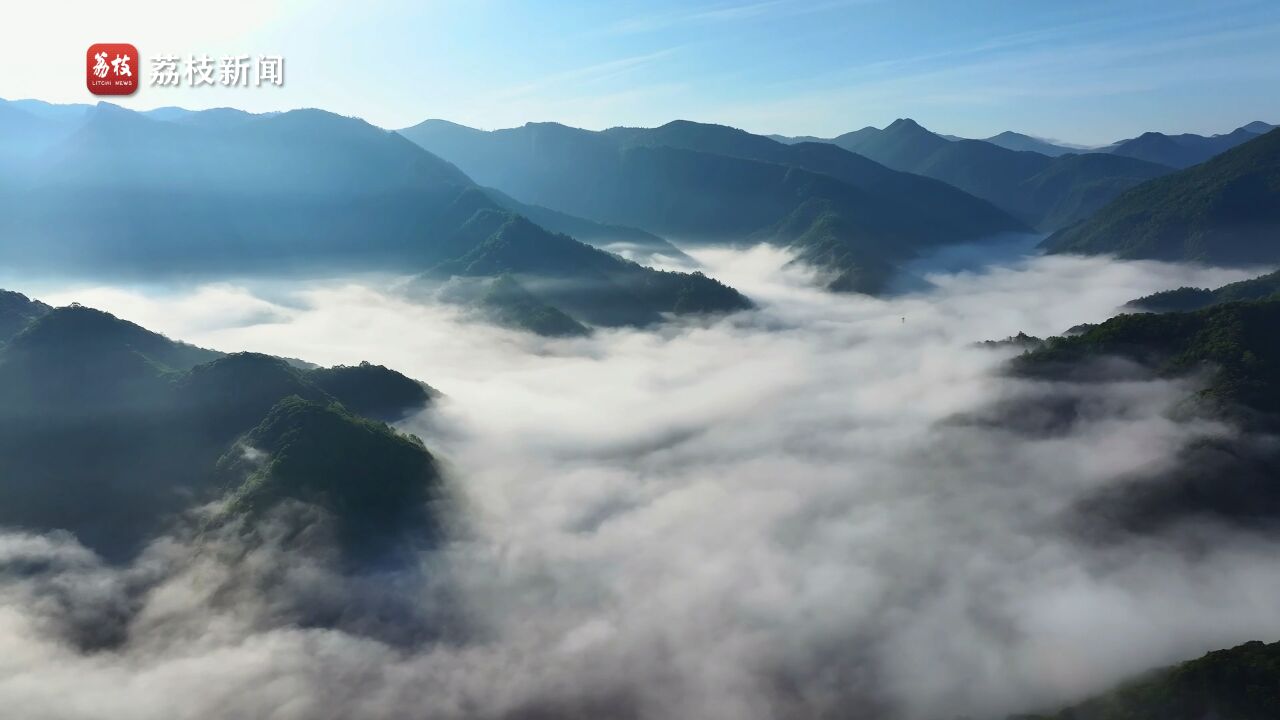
{"x":781,"y":513}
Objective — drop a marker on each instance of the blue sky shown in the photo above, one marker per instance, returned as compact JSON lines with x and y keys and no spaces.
{"x":1081,"y":71}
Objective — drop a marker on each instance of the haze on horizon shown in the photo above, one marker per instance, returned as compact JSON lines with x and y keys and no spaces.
{"x":1088,"y":72}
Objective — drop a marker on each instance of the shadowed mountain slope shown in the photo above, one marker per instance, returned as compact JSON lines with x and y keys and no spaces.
{"x":221,"y":191}
{"x":108,"y":430}
{"x":710,"y":183}
{"x":1225,"y":211}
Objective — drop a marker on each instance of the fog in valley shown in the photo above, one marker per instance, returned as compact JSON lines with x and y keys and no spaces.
{"x":830,"y":506}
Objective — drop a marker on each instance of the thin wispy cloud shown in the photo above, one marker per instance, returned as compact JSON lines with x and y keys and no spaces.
{"x":1180,"y":23}
{"x":585,"y":76}
{"x":725,"y":13}
{"x":649,"y":23}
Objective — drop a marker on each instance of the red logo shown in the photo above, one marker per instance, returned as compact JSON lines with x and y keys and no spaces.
{"x":112,"y":69}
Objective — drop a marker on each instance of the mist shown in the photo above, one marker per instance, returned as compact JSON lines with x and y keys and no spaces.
{"x":778,"y":513}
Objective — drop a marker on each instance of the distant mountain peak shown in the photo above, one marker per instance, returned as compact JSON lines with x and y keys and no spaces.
{"x":441,"y":122}
{"x":694,"y":124}
{"x":1023,"y":142}
{"x":906,"y":129}
{"x":112,"y":112}
{"x":905,"y":124}
{"x":549,"y":124}
{"x":690,"y":134}
{"x":321,"y":119}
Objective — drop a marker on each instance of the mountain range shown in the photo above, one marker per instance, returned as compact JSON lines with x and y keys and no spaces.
{"x":1176,"y":151}
{"x":107,"y":190}
{"x":1187,"y":149}
{"x":1052,"y":187}
{"x":1225,"y":211}
{"x":99,"y":189}
{"x":703,"y":183}
{"x":1044,"y":192}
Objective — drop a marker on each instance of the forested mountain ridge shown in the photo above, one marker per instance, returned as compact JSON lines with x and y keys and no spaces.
{"x":379,"y":487}
{"x":1225,"y":211}
{"x":109,"y":431}
{"x":580,"y":281}
{"x":1228,"y":357}
{"x":1236,"y":341}
{"x":1240,"y":683}
{"x":1183,"y":299}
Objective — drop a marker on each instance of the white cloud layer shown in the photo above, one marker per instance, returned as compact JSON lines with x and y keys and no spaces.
{"x":768,"y":515}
